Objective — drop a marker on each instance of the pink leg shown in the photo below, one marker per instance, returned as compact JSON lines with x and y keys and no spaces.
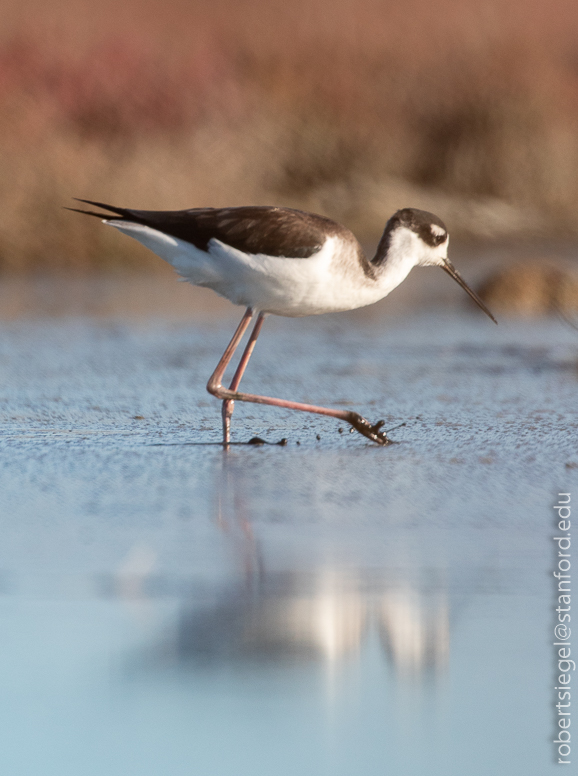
{"x":215,"y":387}
{"x":229,"y":404}
{"x":224,"y":362}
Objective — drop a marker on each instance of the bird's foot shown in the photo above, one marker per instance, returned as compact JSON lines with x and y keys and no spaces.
{"x":371,"y":432}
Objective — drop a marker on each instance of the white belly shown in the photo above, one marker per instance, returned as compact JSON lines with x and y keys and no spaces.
{"x":328,"y":281}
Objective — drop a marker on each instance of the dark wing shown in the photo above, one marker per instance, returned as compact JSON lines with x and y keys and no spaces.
{"x":273,"y":231}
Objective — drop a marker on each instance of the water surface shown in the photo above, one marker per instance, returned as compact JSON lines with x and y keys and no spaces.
{"x":328,"y":607}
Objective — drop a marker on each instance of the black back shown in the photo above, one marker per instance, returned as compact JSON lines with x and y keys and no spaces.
{"x":273,"y":231}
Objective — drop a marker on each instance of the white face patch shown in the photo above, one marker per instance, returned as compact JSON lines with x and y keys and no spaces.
{"x":437,"y":230}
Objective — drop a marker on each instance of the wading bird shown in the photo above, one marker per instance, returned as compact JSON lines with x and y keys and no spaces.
{"x":285,"y":262}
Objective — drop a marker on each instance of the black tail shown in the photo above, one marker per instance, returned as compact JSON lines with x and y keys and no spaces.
{"x":125,"y":214}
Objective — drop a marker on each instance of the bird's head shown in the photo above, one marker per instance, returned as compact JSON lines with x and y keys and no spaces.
{"x":422,"y":238}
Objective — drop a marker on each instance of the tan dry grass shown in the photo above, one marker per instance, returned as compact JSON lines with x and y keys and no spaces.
{"x":348,"y":108}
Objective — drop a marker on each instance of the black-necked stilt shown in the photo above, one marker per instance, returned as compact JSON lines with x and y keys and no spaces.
{"x":285,"y":262}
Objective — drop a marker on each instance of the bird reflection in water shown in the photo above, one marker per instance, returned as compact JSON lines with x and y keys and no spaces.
{"x":414,"y":628}
{"x":322,"y":611}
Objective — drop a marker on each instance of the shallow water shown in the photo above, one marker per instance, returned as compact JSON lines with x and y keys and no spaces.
{"x":328,"y":607}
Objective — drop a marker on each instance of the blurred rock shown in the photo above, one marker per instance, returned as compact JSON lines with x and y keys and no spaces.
{"x":531,"y":289}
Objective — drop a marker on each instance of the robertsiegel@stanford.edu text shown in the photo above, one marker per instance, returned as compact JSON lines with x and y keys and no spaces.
{"x":562,"y":631}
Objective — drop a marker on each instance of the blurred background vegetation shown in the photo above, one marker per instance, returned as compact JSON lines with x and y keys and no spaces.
{"x":352,"y":108}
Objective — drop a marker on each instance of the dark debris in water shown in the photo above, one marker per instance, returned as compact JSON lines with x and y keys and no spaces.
{"x":258,"y":441}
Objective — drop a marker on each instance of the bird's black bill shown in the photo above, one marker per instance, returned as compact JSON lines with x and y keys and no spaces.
{"x":451,"y":270}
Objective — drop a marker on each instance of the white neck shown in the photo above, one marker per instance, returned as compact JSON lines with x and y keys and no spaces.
{"x":403,"y":252}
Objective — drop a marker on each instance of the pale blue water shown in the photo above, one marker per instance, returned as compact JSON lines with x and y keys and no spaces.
{"x":323,"y":608}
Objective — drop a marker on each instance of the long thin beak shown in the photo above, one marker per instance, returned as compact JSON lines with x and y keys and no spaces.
{"x":451,"y":270}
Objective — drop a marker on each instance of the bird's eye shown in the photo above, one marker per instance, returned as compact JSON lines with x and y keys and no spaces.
{"x":437,"y":234}
{"x":439,"y":238}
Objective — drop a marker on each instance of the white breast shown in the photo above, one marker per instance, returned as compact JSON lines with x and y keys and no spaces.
{"x":329,"y":281}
